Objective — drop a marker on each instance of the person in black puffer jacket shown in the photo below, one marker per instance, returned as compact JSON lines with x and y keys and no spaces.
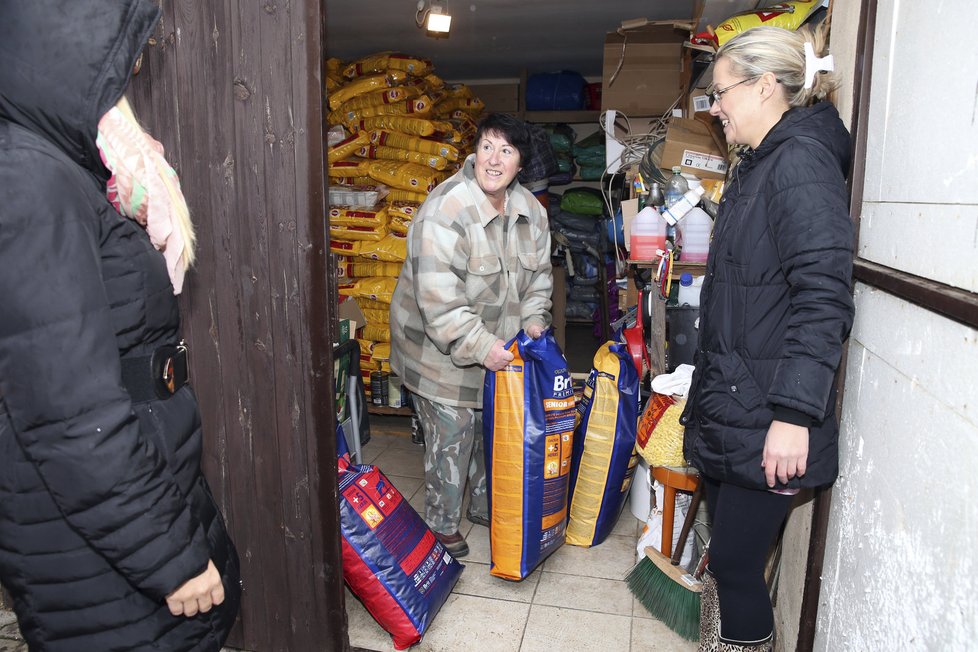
{"x":110,"y":539}
{"x":775,"y":310}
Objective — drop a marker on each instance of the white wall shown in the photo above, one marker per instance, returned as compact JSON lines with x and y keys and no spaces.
{"x":900,"y":567}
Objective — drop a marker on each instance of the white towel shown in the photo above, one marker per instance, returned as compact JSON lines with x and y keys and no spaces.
{"x":674,"y":384}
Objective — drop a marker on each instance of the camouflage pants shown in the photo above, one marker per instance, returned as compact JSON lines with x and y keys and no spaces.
{"x":453,"y":441}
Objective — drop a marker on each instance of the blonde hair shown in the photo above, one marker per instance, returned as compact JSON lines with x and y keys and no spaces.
{"x":782,"y":53}
{"x":181,"y":213}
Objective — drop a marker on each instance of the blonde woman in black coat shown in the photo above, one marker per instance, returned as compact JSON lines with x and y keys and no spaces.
{"x":775,"y":310}
{"x":110,"y":539}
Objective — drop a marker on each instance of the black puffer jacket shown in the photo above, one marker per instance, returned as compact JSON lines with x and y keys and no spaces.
{"x":775,"y":304}
{"x":103,"y":507}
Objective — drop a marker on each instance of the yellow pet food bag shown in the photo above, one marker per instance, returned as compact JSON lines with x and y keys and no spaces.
{"x":604,"y":458}
{"x":528,"y":429}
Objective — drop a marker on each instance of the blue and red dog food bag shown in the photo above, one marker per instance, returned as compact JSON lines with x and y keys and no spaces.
{"x":391,"y":559}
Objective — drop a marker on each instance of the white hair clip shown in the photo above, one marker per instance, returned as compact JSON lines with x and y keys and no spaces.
{"x":815,"y":64}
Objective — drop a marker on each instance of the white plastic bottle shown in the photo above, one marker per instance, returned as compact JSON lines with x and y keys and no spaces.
{"x":672,"y":214}
{"x":695,"y":229}
{"x":648,"y":234}
{"x":689,"y":291}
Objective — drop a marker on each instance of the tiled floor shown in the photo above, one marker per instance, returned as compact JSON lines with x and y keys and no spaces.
{"x":576,"y":600}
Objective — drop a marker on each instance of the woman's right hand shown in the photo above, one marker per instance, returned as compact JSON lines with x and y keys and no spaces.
{"x":498,"y":357}
{"x":198,"y":594}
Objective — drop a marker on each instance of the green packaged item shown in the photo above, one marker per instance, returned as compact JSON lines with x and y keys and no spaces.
{"x":592,"y":172}
{"x":583,"y":201}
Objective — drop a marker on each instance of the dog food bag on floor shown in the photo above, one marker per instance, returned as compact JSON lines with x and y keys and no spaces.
{"x":391,"y":559}
{"x":603,"y":462}
{"x":528,"y":426}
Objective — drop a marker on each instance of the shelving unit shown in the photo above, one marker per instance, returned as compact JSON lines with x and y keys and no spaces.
{"x":678,"y":267}
{"x":383,"y":410}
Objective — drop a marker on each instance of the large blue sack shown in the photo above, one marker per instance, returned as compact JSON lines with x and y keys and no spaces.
{"x":555,"y":91}
{"x":604,"y":458}
{"x":528,"y":426}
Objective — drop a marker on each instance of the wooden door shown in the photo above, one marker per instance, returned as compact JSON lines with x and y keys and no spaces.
{"x":232,"y":89}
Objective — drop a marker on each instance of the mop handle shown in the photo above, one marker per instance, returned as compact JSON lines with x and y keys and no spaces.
{"x":687,"y":523}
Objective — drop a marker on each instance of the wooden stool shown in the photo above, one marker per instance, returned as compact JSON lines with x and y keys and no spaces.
{"x":673,"y":479}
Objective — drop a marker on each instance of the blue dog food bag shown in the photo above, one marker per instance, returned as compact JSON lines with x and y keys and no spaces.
{"x":604,"y":459}
{"x":391,"y":559}
{"x":528,"y":427}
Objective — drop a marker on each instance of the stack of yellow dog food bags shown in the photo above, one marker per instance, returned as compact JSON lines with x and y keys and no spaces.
{"x":396,"y":131}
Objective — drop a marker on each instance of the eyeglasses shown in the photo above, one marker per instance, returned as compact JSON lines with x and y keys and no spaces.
{"x":717,"y":93}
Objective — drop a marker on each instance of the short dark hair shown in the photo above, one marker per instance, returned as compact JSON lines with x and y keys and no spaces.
{"x":514,"y":130}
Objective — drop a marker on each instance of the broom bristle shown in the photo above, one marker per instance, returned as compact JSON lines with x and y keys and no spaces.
{"x":676,"y":605}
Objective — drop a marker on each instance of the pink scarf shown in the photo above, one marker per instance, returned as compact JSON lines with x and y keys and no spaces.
{"x":145,"y":188}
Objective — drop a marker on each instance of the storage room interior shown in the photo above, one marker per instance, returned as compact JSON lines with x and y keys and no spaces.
{"x":239,"y":96}
{"x":564,"y":66}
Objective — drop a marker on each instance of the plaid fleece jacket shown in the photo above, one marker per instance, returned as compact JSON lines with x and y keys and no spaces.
{"x":471,"y":276}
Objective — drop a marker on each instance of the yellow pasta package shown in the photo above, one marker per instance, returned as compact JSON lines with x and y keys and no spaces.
{"x":434,"y":80}
{"x":397,"y":154}
{"x":392,"y":248}
{"x":365,"y":85}
{"x":348,"y":168}
{"x":378,"y":315}
{"x":378,"y":288}
{"x":381,"y":137}
{"x":360,"y":268}
{"x":383,"y":96}
{"x":787,"y":15}
{"x":396,"y":194}
{"x":347,"y":147}
{"x":382,"y":352}
{"x":358,"y":233}
{"x":405,"y":124}
{"x":387,"y":61}
{"x":418,"y":107}
{"x":377,"y":332}
{"x":344,"y":269}
{"x":369,"y":304}
{"x":405,"y":210}
{"x":364,"y":217}
{"x":334,"y":65}
{"x":464,"y":104}
{"x":344,"y":247}
{"x":407,"y":176}
{"x":399,"y":225}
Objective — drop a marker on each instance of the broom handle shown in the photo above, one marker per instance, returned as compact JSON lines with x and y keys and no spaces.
{"x":687,"y":523}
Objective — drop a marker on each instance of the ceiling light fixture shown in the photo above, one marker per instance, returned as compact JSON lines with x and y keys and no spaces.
{"x":433,"y":16}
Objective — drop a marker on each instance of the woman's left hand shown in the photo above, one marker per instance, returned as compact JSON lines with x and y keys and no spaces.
{"x":785,"y":452}
{"x":535,"y":331}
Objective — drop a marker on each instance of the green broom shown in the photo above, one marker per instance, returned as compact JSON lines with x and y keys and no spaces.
{"x":666,"y":590}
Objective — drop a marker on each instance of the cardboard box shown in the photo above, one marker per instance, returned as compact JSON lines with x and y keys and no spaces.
{"x":690,"y":145}
{"x":349,"y":310}
{"x":650,"y":78}
{"x":498,"y":97}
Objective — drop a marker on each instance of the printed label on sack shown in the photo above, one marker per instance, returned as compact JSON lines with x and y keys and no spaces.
{"x":701,"y":161}
{"x":560,"y":414}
